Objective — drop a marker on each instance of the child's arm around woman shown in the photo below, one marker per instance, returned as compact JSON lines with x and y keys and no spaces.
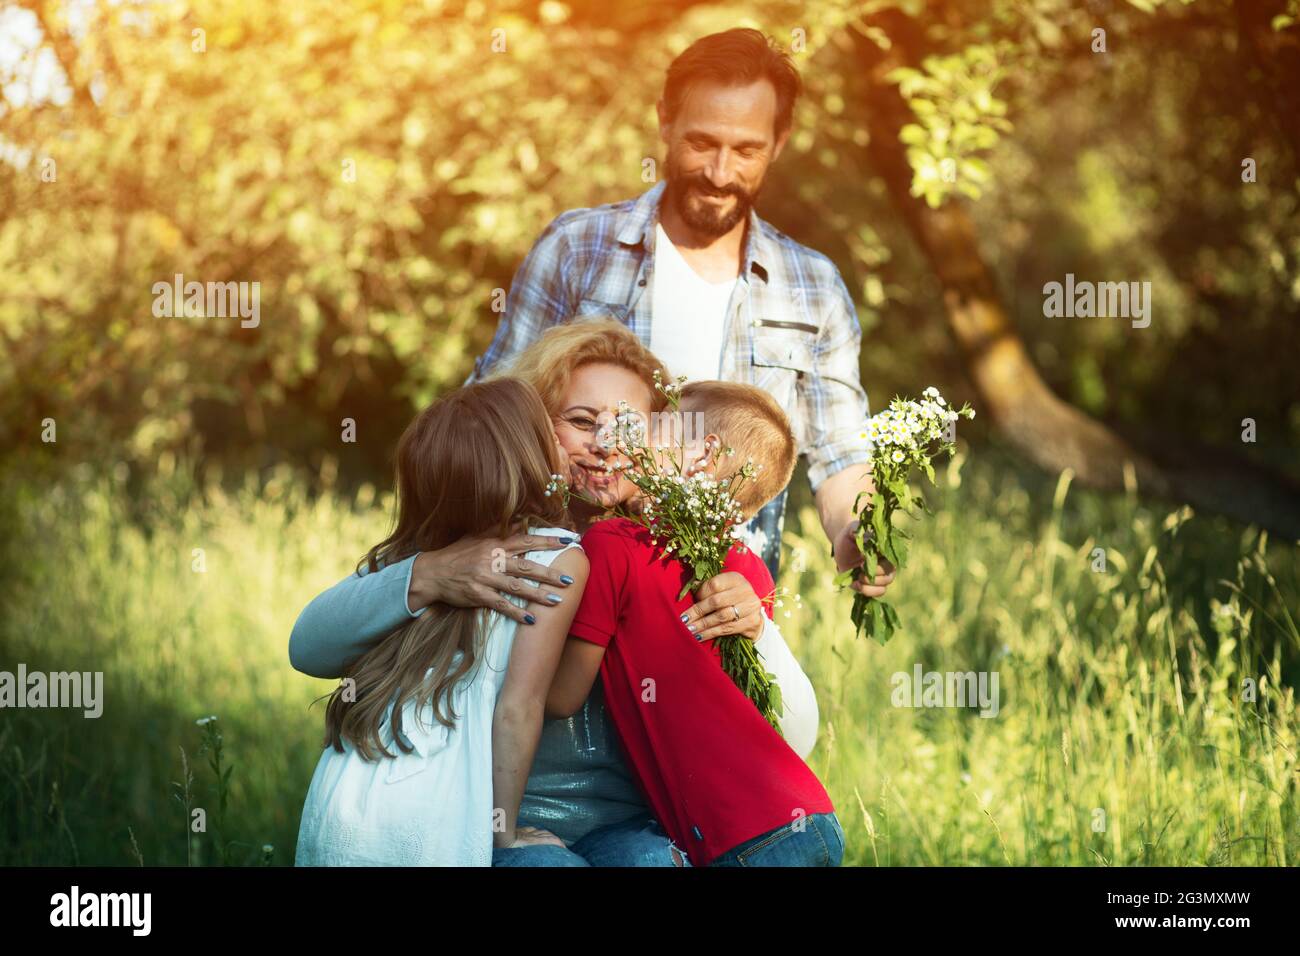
{"x":521,"y":704}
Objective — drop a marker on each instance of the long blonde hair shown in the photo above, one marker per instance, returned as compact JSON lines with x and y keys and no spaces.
{"x":475,"y":462}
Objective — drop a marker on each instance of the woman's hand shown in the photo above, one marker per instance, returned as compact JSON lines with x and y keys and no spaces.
{"x":479,"y":572}
{"x":532,"y":836}
{"x":725,"y":604}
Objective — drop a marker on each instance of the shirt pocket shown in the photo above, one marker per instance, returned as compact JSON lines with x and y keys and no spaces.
{"x":784,"y":347}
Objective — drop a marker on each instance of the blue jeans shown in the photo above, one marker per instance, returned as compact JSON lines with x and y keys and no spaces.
{"x":816,"y":840}
{"x":765,"y":529}
{"x":636,"y":842}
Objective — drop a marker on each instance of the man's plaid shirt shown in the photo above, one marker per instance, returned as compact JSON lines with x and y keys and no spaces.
{"x":791,"y":325}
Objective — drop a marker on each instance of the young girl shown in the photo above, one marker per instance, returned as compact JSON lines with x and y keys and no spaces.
{"x":432,"y":731}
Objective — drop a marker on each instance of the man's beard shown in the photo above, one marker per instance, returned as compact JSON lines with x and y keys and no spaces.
{"x":703,"y":217}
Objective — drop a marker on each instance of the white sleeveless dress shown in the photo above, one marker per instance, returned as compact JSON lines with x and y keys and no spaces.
{"x":429,"y":807}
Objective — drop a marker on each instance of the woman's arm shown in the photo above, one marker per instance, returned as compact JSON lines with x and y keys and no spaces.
{"x":799,"y":716}
{"x":340,"y":624}
{"x":521,"y":705}
{"x":714,"y":614}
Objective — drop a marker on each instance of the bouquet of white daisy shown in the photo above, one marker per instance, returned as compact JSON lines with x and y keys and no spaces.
{"x":694,"y":518}
{"x":904,"y":436}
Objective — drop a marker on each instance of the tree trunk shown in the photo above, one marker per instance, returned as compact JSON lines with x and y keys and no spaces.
{"x":1047,"y":430}
{"x":1277,"y":54}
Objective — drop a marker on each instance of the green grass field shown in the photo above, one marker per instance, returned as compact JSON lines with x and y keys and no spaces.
{"x":1147,"y":713}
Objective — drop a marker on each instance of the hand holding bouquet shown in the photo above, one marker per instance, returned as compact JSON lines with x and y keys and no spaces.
{"x":695,"y":518}
{"x":904,"y":436}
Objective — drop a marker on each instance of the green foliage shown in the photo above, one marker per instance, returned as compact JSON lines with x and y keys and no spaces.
{"x":1126,"y":165}
{"x":904,"y":438}
{"x":91,"y":584}
{"x":380,"y":169}
{"x":378,"y":290}
{"x":1120,"y":691}
{"x":959,"y":119}
{"x":1287,"y":19}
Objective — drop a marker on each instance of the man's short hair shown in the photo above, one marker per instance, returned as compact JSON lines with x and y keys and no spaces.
{"x":735,"y":58}
{"x":749,"y":420}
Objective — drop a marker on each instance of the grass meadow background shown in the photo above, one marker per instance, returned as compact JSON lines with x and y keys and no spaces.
{"x":379,"y":170}
{"x":1125,"y":734}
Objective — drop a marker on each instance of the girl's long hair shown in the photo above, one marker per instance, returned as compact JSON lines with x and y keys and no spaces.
{"x":476,"y":462}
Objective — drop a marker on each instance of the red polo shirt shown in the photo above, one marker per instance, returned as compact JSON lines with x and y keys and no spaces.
{"x":712,"y":769}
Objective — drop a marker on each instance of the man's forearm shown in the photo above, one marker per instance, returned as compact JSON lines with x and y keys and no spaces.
{"x":836,"y":495}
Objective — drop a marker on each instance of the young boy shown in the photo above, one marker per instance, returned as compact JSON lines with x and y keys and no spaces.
{"x":724,"y":785}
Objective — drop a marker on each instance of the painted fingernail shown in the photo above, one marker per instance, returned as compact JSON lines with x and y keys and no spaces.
{"x":691,"y":628}
{"x":683,"y":617}
{"x":565,"y":580}
{"x":699,"y":637}
{"x":554,"y":598}
{"x":529,"y":619}
{"x":567,"y":540}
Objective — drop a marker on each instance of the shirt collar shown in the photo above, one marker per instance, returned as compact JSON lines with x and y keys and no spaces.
{"x":636,"y":228}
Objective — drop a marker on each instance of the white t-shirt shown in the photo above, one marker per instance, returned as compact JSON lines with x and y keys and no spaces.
{"x":687,"y":313}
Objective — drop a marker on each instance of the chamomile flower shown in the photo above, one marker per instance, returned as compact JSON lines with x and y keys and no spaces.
{"x":905,"y":435}
{"x":695,"y":519}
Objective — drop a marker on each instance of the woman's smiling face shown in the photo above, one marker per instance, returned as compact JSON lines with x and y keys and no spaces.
{"x":590,"y":402}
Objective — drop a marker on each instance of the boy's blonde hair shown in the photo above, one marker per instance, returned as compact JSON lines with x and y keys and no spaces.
{"x":749,"y":420}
